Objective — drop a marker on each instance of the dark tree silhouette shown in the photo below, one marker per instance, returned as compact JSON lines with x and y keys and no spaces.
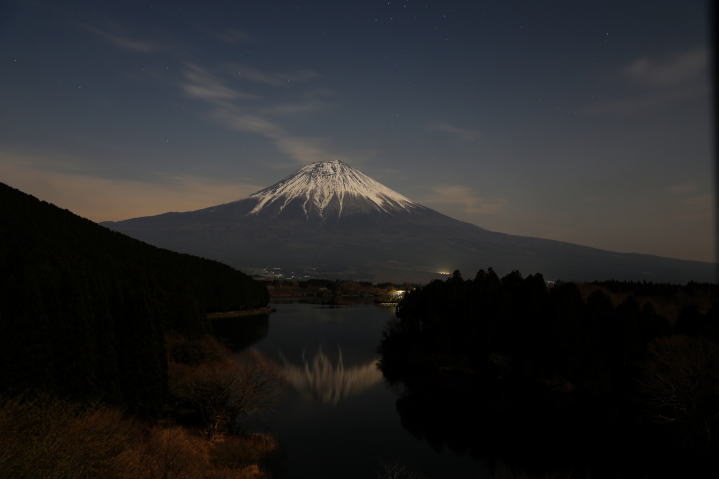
{"x":83,"y":310}
{"x":503,"y":366}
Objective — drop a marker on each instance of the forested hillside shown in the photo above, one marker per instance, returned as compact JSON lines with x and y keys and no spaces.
{"x":512,"y":369}
{"x":84,"y":310}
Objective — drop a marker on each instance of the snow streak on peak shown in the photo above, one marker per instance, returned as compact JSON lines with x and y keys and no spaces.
{"x":318,"y":184}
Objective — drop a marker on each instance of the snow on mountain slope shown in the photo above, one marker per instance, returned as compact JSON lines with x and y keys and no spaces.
{"x":318,"y":185}
{"x":331,"y":218}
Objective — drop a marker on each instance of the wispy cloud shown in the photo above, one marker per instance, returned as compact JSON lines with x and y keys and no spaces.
{"x":465,"y":199}
{"x":252,"y":74}
{"x":232,"y":112}
{"x":292,"y":108}
{"x":308,"y":102}
{"x":673,"y":70}
{"x":123,"y":41}
{"x":655,"y":82}
{"x":200,"y":84}
{"x":300,"y":148}
{"x":645,"y":101}
{"x":116,"y":199}
{"x":233,"y":36}
{"x":682,"y":188}
{"x":690,"y":202}
{"x":464,"y":134}
{"x":694,"y":207}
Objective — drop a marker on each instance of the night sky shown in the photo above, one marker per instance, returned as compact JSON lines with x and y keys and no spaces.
{"x":582,"y":121}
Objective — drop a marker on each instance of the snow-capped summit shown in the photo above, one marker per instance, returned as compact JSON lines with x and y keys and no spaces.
{"x":329,"y":188}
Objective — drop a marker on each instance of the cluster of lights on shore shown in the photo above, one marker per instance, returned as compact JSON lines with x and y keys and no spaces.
{"x":399,"y":293}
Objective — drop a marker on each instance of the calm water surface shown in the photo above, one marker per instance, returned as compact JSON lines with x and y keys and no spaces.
{"x":338,"y":418}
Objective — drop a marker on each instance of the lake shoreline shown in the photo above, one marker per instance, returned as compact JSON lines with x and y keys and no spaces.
{"x":241,"y":313}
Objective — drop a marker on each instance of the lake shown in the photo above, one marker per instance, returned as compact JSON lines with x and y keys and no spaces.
{"x":339,"y":416}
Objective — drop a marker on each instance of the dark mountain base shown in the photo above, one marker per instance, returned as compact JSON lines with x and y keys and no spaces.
{"x":403,"y":246}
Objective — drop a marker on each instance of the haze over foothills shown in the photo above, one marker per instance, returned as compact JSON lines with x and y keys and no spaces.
{"x":584,"y":122}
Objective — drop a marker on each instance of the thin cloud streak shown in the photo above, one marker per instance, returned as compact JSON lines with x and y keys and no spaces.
{"x":690,"y":203}
{"x":231,"y":113}
{"x":302,"y":149}
{"x":659,"y":82}
{"x":682,"y":188}
{"x":123,"y":41}
{"x":695,"y":207}
{"x":465,"y":199}
{"x":293,"y":108}
{"x":202,"y":85}
{"x":647,"y":101}
{"x":676,"y":69}
{"x":464,"y":134}
{"x":255,"y":75}
{"x":234,"y":36}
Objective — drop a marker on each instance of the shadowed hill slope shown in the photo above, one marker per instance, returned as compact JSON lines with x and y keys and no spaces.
{"x":83,"y":310}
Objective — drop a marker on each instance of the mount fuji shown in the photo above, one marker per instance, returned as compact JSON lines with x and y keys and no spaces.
{"x":334,"y":219}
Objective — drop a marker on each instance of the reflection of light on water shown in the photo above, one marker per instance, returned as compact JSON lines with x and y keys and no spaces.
{"x":330,"y":382}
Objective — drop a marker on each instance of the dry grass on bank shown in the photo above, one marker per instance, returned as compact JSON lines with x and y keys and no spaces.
{"x":218,"y":387}
{"x":46,"y":438}
{"x":53,"y":439}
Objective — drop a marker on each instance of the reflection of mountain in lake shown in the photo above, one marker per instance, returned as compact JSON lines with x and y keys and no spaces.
{"x":330,"y":382}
